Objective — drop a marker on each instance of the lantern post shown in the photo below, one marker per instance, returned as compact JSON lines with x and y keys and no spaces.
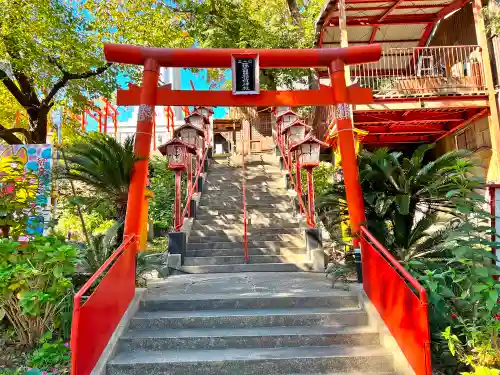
{"x":308,"y":156}
{"x":190,"y":135}
{"x":177,"y":152}
{"x":200,"y":121}
{"x":295,"y":132}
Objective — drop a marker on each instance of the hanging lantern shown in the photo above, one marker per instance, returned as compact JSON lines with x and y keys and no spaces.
{"x":177,"y":152}
{"x":308,"y":150}
{"x":295,"y":132}
{"x":197,"y":119}
{"x":189,"y":134}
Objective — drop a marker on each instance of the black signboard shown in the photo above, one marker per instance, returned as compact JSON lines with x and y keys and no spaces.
{"x":245,"y":74}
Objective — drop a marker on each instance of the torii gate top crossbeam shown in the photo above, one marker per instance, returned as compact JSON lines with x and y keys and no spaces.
{"x":221,"y":58}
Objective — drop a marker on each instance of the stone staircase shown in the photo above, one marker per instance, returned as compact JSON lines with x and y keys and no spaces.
{"x":258,"y":323}
{"x":275,"y":238}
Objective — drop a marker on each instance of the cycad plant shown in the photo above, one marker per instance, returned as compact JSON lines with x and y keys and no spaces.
{"x":410,"y":203}
{"x":104,"y":165}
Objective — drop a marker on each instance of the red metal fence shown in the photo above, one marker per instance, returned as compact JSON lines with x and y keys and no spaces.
{"x":400,"y":300}
{"x":423,"y":71}
{"x":99,"y":306}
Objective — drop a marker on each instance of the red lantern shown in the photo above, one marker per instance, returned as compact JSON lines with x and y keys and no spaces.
{"x":177,"y":152}
{"x":308,"y":150}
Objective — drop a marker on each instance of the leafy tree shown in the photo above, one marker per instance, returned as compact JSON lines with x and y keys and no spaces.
{"x":64,"y":65}
{"x":255,"y":24}
{"x":103,"y":165}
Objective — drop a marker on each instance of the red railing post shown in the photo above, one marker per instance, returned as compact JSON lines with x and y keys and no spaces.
{"x":244,"y":191}
{"x":177,"y":203}
{"x":310,"y":196}
{"x":298,"y":180}
{"x":142,"y":148}
{"x":189,"y":183}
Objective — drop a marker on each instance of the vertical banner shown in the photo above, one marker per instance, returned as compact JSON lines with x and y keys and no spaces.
{"x":245,"y":74}
{"x":25,"y":187}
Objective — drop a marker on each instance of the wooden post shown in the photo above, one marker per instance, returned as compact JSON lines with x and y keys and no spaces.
{"x":493,"y":173}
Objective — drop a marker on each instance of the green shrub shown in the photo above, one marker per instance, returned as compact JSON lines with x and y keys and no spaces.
{"x":51,"y":353}
{"x":35,"y":279}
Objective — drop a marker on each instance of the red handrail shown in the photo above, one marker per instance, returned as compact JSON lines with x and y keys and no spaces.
{"x":309,"y":222}
{"x":244,"y":191}
{"x":95,"y":321}
{"x":191,"y":191}
{"x":389,"y":285}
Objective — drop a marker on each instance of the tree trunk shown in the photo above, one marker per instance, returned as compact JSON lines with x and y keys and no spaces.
{"x":38,"y":120}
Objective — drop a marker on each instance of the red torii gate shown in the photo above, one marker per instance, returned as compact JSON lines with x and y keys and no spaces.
{"x":150,"y":95}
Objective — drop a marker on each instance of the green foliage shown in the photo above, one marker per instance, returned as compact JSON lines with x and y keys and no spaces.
{"x":64,"y":65}
{"x":35,"y":280}
{"x":405,"y":197}
{"x":101,"y":247}
{"x":69,"y":222}
{"x":103,"y":165}
{"x":51,"y":353}
{"x":254,"y":24}
{"x":162,"y":184}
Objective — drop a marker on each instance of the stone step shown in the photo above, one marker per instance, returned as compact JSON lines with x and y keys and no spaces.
{"x":236,"y":238}
{"x":254,"y":224}
{"x":238,"y":209}
{"x":235,"y":231}
{"x":277,"y":317}
{"x":267,"y":216}
{"x":286,"y":252}
{"x":257,"y":267}
{"x":333,"y":299}
{"x":254,"y":221}
{"x":240,"y":259}
{"x":234,"y":338}
{"x":251,"y":362}
{"x":271,"y":245}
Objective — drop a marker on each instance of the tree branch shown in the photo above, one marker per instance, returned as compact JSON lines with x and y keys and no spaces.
{"x":8,"y":135}
{"x":13,"y":89}
{"x":294,"y":11}
{"x":67,"y":76}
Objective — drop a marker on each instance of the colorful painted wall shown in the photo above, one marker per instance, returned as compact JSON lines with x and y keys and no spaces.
{"x":29,"y":168}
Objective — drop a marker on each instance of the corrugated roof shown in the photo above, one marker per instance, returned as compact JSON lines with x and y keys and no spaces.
{"x":370,"y":21}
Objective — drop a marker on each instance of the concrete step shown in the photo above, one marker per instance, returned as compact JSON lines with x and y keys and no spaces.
{"x":221,"y":209}
{"x":240,"y":259}
{"x":261,"y":216}
{"x":252,"y":244}
{"x":251,"y":362}
{"x":255,"y":225}
{"x":254,"y":221}
{"x":286,"y":252}
{"x":238,"y":231}
{"x":335,"y":299}
{"x":257,"y":267}
{"x":234,"y":338}
{"x":277,"y":317}
{"x":196,"y":238}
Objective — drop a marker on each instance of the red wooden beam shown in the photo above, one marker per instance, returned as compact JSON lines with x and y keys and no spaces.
{"x":393,"y":6}
{"x":374,"y":34}
{"x":368,"y":8}
{"x":413,"y":116}
{"x":323,"y":96}
{"x":426,"y":35}
{"x":221,"y":58}
{"x":389,"y":21}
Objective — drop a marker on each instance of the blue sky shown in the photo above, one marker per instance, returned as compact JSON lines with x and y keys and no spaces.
{"x":200,"y":83}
